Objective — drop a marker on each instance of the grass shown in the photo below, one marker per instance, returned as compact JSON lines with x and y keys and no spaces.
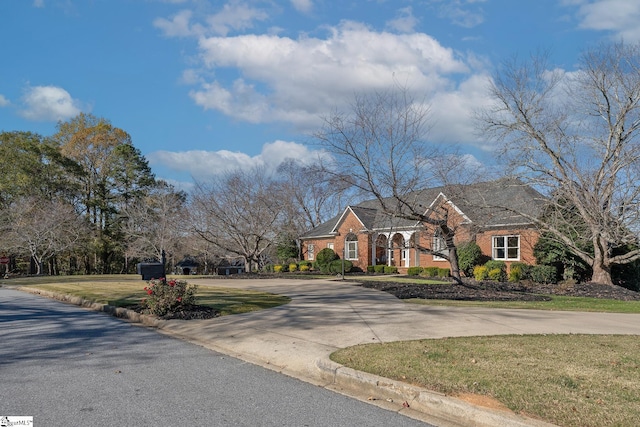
{"x":568,"y":380}
{"x":416,"y":280}
{"x":126,"y":290}
{"x":558,"y":303}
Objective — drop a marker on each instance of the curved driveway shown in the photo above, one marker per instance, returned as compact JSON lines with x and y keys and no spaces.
{"x":325,"y":315}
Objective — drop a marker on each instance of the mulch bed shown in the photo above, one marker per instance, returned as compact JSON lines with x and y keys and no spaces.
{"x":188,"y":312}
{"x":472,"y":290}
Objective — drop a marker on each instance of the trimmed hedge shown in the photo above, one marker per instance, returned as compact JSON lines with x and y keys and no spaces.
{"x":335,"y":266}
{"x":390,"y":269}
{"x":444,"y":272}
{"x":379,"y":268}
{"x":414,"y":271}
{"x":430,"y":272}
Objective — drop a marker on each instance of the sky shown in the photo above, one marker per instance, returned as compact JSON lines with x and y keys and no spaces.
{"x":206,"y":86}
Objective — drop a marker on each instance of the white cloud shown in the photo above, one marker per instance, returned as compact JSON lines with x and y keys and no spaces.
{"x":452,"y":111}
{"x":405,"y":22}
{"x":298,"y":80}
{"x":178,"y":26}
{"x":618,"y":16}
{"x":38,"y":3}
{"x":304,"y":6}
{"x":461,"y":12}
{"x":3,"y":101}
{"x":234,"y":16}
{"x":206,"y":164}
{"x":49,"y":103}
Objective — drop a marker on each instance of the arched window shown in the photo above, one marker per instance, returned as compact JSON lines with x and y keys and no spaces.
{"x":439,"y":247}
{"x":351,"y":247}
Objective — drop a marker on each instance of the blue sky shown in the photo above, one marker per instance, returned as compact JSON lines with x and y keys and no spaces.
{"x":203,"y":86}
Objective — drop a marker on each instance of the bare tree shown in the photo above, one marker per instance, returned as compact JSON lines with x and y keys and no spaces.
{"x":380,"y":146}
{"x":238,"y":212}
{"x":42,"y":229}
{"x":574,"y":136}
{"x":155,"y":223}
{"x":311,"y":196}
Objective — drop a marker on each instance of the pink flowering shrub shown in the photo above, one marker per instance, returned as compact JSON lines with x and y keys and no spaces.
{"x":168,"y":296}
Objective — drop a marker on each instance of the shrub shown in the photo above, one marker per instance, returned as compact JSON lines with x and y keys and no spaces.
{"x":277,"y":268}
{"x":544,"y":274}
{"x":293,"y":266}
{"x":335,"y":267}
{"x":268,"y":268}
{"x":469,"y":255}
{"x":480,"y":272}
{"x":304,"y":267}
{"x":324,"y":258}
{"x":444,"y":272}
{"x":168,"y":296}
{"x":414,"y":271}
{"x":371,"y":268}
{"x":390,"y":269}
{"x":430,"y":271}
{"x":501,"y":266}
{"x":515,"y":273}
{"x":379,"y":268}
{"x":496,"y":274}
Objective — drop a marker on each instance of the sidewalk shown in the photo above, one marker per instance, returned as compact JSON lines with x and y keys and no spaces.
{"x":296,"y":339}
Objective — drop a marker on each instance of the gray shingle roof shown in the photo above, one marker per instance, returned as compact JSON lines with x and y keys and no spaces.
{"x":485,"y":204}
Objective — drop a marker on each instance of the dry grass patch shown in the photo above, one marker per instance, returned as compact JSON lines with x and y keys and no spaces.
{"x":569,"y":380}
{"x":127,"y":290}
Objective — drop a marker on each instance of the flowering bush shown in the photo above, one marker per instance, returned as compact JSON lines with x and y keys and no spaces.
{"x":168,"y":296}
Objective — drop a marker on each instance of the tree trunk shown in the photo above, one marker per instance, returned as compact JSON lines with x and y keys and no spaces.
{"x":601,"y":270}
{"x":453,"y":261}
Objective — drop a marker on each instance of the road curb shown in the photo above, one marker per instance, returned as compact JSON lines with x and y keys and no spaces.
{"x":454,"y":412}
{"x":438,"y":408}
{"x":119,"y":312}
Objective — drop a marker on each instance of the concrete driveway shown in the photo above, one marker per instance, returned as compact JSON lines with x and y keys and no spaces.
{"x":325,"y":315}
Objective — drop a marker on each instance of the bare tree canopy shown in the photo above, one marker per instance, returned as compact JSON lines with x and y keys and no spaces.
{"x":238,"y":212}
{"x":575,"y":136}
{"x":42,"y":228}
{"x":380,"y":147}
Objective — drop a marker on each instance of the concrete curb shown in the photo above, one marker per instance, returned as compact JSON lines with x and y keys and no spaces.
{"x":119,"y":312}
{"x":433,"y":407}
{"x":448,"y":409}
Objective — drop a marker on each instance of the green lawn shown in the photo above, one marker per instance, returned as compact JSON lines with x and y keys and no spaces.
{"x":569,"y":380}
{"x":558,"y":303}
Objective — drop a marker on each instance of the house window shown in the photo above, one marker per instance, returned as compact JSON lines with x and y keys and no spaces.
{"x":330,"y":246}
{"x":506,"y":247}
{"x":438,"y":245}
{"x":311,"y":252}
{"x":351,"y":247}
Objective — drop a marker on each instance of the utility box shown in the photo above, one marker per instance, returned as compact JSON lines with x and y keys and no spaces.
{"x":151,"y":270}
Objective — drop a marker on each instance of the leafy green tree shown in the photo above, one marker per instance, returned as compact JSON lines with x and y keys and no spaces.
{"x":113,"y":174}
{"x":32,"y":166}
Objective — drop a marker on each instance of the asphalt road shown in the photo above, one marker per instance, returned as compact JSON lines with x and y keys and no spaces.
{"x":66,"y":366}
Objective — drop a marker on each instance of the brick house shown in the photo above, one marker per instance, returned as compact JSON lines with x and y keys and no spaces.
{"x":481,"y":212}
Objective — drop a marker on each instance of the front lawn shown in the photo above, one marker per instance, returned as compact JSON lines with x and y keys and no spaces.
{"x":128,"y":290}
{"x":568,"y":380}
